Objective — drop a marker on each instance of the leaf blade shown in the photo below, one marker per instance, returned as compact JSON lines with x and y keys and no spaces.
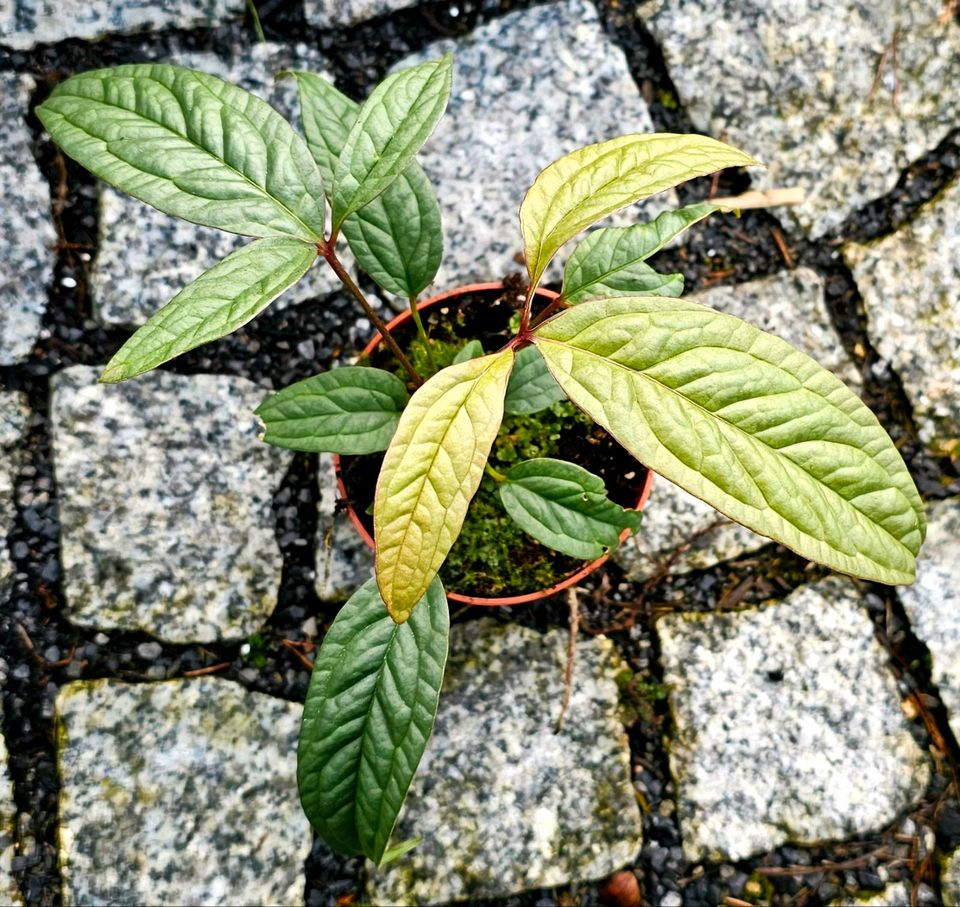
{"x":348,"y":410}
{"x":368,"y":715}
{"x":747,"y":423}
{"x":531,"y":387}
{"x":218,"y":302}
{"x":582,"y":187}
{"x":610,"y":261}
{"x":191,"y":145}
{"x":431,"y":471}
{"x":378,"y":150}
{"x":565,"y":507}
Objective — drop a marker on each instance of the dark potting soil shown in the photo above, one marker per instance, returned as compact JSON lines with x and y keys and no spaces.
{"x":493,"y":557}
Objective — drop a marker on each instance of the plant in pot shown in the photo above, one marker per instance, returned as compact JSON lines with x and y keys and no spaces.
{"x":476,"y":409}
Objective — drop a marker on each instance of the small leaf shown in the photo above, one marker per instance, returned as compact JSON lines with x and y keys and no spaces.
{"x":565,"y":507}
{"x":432,"y":469}
{"x":191,"y":145}
{"x":742,"y":420}
{"x":219,"y":301}
{"x":532,"y":388}
{"x":348,"y":410}
{"x":397,"y":238}
{"x":582,"y":187}
{"x":392,"y":125}
{"x":368,"y":715}
{"x":399,"y":850}
{"x":471,"y":350}
{"x":609,"y":261}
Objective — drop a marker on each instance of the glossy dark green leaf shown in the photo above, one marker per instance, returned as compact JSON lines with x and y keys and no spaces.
{"x":392,"y":124}
{"x":396,"y":238}
{"x":217,"y":302}
{"x":348,"y":410}
{"x":472,"y":349}
{"x":368,"y":715}
{"x":191,"y":145}
{"x":532,"y":387}
{"x":565,"y":507}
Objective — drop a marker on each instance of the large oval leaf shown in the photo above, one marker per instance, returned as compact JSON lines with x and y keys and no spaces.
{"x":191,"y":145}
{"x":348,"y":410}
{"x":217,"y":302}
{"x":396,"y":238}
{"x":610,"y":261}
{"x":432,"y":470}
{"x":367,"y":718}
{"x":565,"y":507}
{"x":586,"y":185}
{"x":393,"y":123}
{"x":747,"y":423}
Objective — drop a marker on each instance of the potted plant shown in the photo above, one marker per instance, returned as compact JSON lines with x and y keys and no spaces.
{"x":734,"y":415}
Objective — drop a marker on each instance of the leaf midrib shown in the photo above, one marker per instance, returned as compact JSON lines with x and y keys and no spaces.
{"x":106,"y":144}
{"x":752,"y":438}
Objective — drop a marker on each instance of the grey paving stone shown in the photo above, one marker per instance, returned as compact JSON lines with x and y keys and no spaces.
{"x":933,"y":602}
{"x":166,"y":515}
{"x":147,"y":257}
{"x":181,"y":792}
{"x":950,"y":879}
{"x":910,"y":283}
{"x":28,"y":238}
{"x":503,"y":803}
{"x":513,"y":111}
{"x":9,"y":890}
{"x":26,"y":23}
{"x":790,"y":305}
{"x":344,"y":561}
{"x":793,"y":84}
{"x":788,"y":726}
{"x":14,"y":416}
{"x":331,"y":13}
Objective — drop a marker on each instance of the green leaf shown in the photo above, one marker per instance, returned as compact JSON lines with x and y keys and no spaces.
{"x":368,"y":715}
{"x":532,"y":387}
{"x":609,"y":262}
{"x":191,"y":145}
{"x":397,"y":238}
{"x":217,"y":302}
{"x":747,"y":423}
{"x":586,"y":185}
{"x":349,"y":410}
{"x":471,"y":350}
{"x":565,"y":507}
{"x":432,"y":469}
{"x":392,"y":125}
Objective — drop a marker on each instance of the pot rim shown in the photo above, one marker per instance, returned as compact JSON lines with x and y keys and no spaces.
{"x":484,"y":601}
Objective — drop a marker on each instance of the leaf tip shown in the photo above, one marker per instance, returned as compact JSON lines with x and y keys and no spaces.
{"x":114,"y":373}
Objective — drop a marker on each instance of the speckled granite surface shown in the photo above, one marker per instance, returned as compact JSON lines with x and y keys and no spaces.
{"x":790,"y":305}
{"x":27,"y":237}
{"x":933,"y":602}
{"x":147,"y":257}
{"x":513,"y":112}
{"x":332,"y":13}
{"x":14,"y":418}
{"x":792,"y":84}
{"x":910,"y":282}
{"x":181,"y":792}
{"x":166,"y":517}
{"x":950,"y":880}
{"x":26,"y":23}
{"x":787,"y":725}
{"x":503,"y":803}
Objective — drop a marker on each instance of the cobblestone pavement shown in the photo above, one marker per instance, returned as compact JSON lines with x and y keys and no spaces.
{"x":743,"y":729}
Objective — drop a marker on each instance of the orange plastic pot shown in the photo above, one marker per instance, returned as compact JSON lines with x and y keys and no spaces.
{"x":491,"y":601}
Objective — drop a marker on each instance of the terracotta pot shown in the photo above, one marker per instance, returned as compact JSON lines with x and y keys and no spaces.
{"x":492,"y":601}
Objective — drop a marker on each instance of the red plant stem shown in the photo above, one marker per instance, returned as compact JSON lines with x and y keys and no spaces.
{"x":330,"y":256}
{"x":525,"y":317}
{"x":558,"y":303}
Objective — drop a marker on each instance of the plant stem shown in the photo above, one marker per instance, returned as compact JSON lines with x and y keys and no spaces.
{"x":415,"y":312}
{"x":257,"y":27}
{"x":493,"y":473}
{"x":330,"y":256}
{"x":525,"y":317}
{"x":558,"y":303}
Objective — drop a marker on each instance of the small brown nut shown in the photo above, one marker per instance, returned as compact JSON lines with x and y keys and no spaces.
{"x":621,"y":890}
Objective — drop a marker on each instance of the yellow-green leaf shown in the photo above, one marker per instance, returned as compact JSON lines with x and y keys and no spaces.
{"x":744,"y":421}
{"x":582,"y":187}
{"x":430,"y":473}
